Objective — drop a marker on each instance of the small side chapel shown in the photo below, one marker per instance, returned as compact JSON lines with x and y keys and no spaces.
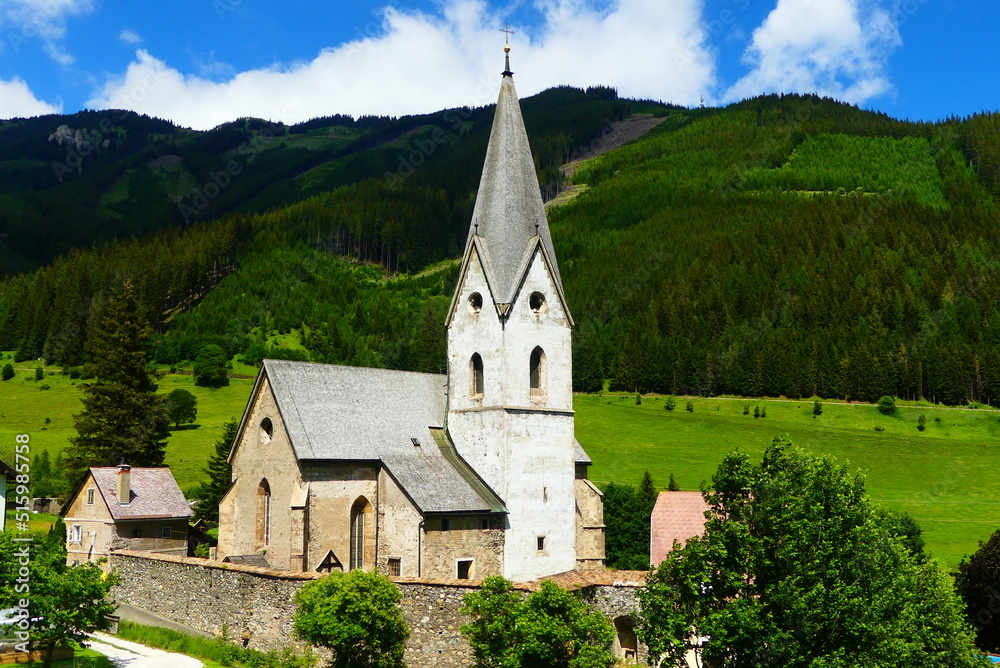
{"x":463,"y":475}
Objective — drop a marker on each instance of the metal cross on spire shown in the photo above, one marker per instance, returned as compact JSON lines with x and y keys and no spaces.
{"x":506,"y":49}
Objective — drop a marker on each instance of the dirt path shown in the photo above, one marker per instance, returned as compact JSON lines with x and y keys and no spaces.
{"x":127,"y":654}
{"x":615,"y":135}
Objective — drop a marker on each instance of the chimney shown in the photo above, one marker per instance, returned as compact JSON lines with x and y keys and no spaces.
{"x":123,"y":486}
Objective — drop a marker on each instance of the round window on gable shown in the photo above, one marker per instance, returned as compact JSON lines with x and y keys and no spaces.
{"x":537,"y":302}
{"x":475,"y":302}
{"x":266,"y":431}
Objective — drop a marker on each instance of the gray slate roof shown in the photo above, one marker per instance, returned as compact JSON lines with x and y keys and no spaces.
{"x":155,"y":493}
{"x":353,"y":413}
{"x":509,"y":204}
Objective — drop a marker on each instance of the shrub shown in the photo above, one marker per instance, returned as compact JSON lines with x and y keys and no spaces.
{"x":669,"y":403}
{"x":756,"y":411}
{"x":886,"y":405}
{"x":8,"y":372}
{"x":39,"y":373}
{"x":638,"y":400}
{"x":746,"y":409}
{"x":921,"y":422}
{"x":817,"y":408}
{"x":690,"y":406}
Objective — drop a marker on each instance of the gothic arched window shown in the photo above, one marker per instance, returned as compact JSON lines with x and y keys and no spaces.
{"x":361,"y":534}
{"x":476,"y":376}
{"x":537,"y":372}
{"x":263,"y":514}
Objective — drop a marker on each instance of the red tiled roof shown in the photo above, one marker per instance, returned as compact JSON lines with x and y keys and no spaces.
{"x":676,"y":516}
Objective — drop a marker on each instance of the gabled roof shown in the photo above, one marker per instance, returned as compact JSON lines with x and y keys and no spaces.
{"x":6,"y":470}
{"x":677,"y":516}
{"x":509,"y":211}
{"x":154,"y":494}
{"x":336,"y":412}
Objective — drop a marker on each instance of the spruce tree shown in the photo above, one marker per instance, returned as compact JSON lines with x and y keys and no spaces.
{"x":209,"y":494}
{"x":123,"y":418}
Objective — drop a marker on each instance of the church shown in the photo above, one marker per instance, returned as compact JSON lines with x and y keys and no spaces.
{"x":458,"y":476}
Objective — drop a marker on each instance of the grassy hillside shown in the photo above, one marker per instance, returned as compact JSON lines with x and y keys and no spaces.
{"x":944,"y":477}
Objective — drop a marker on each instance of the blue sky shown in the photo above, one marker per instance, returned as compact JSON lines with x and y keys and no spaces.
{"x":203,"y":62}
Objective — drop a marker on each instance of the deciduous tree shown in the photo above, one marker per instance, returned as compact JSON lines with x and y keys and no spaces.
{"x":551,"y":628}
{"x":978,"y":583}
{"x":356,"y":616}
{"x":797,"y":568}
{"x":182,"y":407}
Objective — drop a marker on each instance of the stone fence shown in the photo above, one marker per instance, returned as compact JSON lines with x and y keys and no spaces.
{"x":255,"y":605}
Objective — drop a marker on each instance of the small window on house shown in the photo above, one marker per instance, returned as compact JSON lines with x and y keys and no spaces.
{"x":75,"y":533}
{"x":165,"y":533}
{"x":476,"y":372}
{"x":90,"y":497}
{"x":137,"y":533}
{"x":445,"y":524}
{"x":475,"y":303}
{"x":537,"y":302}
{"x":395,"y":567}
{"x":541,"y":543}
{"x":537,"y":373}
{"x":266,"y":431}
{"x":464,"y":569}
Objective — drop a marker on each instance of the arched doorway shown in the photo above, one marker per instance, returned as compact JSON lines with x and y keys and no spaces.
{"x":626,"y":644}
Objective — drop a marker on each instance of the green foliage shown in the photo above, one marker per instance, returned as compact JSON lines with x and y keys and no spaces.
{"x":797,"y":568}
{"x":626,"y":518}
{"x":638,"y":400}
{"x":921,"y":422}
{"x":669,"y":403}
{"x":690,"y":406}
{"x":39,"y":373}
{"x":66,"y":603}
{"x":756,"y":411}
{"x":746,"y":409}
{"x":123,"y":418}
{"x":356,"y":616}
{"x":836,"y":162}
{"x":886,"y":405}
{"x":646,"y":493}
{"x":8,"y":372}
{"x":209,"y":494}
{"x":210,"y":367}
{"x":817,"y":407}
{"x":551,"y":628}
{"x":763,"y":411}
{"x":977,"y":583}
{"x":182,"y":407}
{"x":672,"y":486}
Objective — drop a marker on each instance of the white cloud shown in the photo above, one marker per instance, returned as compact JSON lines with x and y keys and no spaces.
{"x":837,"y":48}
{"x":16,"y":99}
{"x":27,"y":20}
{"x":412,"y":62}
{"x":129,"y":36}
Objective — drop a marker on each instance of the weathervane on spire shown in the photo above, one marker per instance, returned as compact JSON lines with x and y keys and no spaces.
{"x":506,"y":49}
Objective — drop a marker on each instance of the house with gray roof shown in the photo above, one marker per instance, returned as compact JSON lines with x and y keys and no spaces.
{"x":464,"y":475}
{"x":125,"y":507}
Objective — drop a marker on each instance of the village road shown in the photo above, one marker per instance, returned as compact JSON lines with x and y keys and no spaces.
{"x":126,"y":654}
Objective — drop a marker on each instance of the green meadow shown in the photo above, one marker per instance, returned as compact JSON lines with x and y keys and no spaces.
{"x":25,"y":407}
{"x":945,"y":476}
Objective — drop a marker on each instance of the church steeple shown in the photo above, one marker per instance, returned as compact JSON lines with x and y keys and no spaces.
{"x":508,"y":222}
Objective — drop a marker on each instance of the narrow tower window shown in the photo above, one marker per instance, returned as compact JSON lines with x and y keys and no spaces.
{"x":266,"y":431}
{"x":359,"y":533}
{"x":476,"y":369}
{"x":475,"y":303}
{"x":537,"y":374}
{"x":263,"y":514}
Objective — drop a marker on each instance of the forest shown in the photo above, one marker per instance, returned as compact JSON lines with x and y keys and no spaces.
{"x":782,"y":246}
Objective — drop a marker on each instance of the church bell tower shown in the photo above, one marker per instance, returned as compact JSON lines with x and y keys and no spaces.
{"x":510,"y":401}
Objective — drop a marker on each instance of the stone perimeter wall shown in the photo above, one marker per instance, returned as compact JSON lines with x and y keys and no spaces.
{"x":256,"y":606}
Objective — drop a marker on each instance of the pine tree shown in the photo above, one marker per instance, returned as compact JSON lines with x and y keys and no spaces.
{"x":646,"y":495}
{"x":219,"y":472}
{"x":123,"y":418}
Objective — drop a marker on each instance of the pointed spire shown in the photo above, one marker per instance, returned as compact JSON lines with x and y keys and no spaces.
{"x":509,"y":217}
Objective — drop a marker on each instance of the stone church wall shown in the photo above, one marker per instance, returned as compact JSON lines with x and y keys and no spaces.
{"x":256,"y":605}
